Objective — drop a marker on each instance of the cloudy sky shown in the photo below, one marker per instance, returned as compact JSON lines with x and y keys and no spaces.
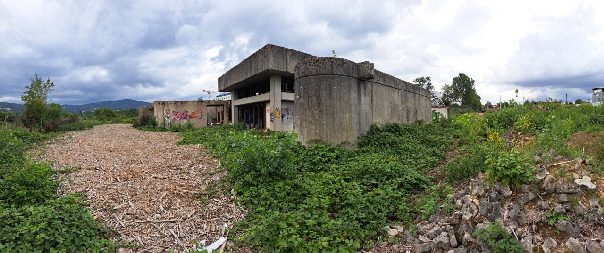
{"x":172,"y":50}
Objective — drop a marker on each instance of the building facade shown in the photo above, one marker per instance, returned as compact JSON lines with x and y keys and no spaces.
{"x":597,"y":96}
{"x":323,"y":98}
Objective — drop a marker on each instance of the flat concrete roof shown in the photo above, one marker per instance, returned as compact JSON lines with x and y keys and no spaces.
{"x":268,"y":60}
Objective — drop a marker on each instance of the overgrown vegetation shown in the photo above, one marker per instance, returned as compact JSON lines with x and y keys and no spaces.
{"x":498,"y":239}
{"x":32,"y":217}
{"x":328,"y":198}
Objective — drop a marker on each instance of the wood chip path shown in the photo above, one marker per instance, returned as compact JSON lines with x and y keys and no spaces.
{"x":145,"y":186}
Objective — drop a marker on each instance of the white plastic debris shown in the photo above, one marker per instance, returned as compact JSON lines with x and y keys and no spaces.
{"x":212,"y":246}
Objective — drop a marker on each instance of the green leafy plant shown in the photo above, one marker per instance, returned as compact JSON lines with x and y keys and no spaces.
{"x":552,"y":218}
{"x":498,"y":239}
{"x":509,"y":168}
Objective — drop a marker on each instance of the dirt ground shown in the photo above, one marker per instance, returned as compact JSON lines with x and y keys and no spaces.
{"x":145,"y":186}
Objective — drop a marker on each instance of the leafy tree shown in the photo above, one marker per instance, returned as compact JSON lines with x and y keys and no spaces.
{"x":579,"y":101}
{"x":105,"y":114}
{"x":425,"y":83}
{"x":461,"y":90}
{"x":34,"y":100}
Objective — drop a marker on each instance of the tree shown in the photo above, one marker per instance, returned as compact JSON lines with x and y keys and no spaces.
{"x":105,"y":114}
{"x":34,"y":100}
{"x":579,"y":101}
{"x":461,"y":90}
{"x":425,"y":83}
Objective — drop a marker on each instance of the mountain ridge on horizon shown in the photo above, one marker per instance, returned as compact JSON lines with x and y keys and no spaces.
{"x":123,"y":104}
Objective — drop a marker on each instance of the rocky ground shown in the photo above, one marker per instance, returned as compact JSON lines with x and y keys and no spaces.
{"x":561,"y":211}
{"x":146,"y":187}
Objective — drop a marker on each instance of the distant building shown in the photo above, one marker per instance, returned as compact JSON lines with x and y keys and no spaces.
{"x":597,"y":96}
{"x":223,"y":96}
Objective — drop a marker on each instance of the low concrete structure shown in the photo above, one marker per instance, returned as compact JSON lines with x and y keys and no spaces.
{"x":326,"y":98}
{"x":197,"y":113}
{"x":443,"y":110}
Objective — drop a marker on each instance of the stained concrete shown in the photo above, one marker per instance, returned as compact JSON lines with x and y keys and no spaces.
{"x":337,"y":100}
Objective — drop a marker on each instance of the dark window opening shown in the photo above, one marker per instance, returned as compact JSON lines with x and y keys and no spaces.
{"x":287,"y":85}
{"x":254,"y":89}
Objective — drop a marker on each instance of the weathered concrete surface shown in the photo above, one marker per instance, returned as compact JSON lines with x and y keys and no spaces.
{"x":337,"y":100}
{"x":269,"y":60}
{"x":198,"y":113}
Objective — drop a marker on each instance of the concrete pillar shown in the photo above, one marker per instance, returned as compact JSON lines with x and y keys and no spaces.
{"x":275,"y":101}
{"x":234,"y":109}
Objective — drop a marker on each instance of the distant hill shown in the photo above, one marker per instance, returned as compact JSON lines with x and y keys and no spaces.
{"x":124,"y":104}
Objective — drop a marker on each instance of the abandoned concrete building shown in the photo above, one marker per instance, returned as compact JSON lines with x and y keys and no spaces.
{"x":330,"y":99}
{"x":597,"y":96}
{"x":195,"y":112}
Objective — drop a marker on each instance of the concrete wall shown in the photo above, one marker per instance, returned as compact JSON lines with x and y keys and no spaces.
{"x":198,"y":113}
{"x":285,"y":114}
{"x":337,"y":100}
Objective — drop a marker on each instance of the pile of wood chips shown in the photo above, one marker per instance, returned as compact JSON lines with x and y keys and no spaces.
{"x":145,"y":186}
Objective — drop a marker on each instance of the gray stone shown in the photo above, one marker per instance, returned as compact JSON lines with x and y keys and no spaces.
{"x":594,"y":201}
{"x":392,"y":232}
{"x":602,"y":244}
{"x":558,"y":208}
{"x":467,"y":239}
{"x":452,"y":237}
{"x":484,"y":207}
{"x":549,"y":188}
{"x":527,"y":243}
{"x":460,"y":249}
{"x":525,"y":188}
{"x":585,"y":182}
{"x":442,"y":241}
{"x":424,"y":239}
{"x":422,"y":247}
{"x":518,"y":215}
{"x":567,"y":189}
{"x":548,"y":180}
{"x":540,"y":176}
{"x":543,"y":204}
{"x":572,"y":229}
{"x":580,"y":209}
{"x":465,"y":227}
{"x":562,"y":198}
{"x":469,"y":210}
{"x":506,"y":192}
{"x":496,"y":213}
{"x":549,"y":244}
{"x":478,"y":190}
{"x":433,"y":233}
{"x":575,"y":245}
{"x":494,"y":196}
{"x":526,"y":198}
{"x":594,"y":247}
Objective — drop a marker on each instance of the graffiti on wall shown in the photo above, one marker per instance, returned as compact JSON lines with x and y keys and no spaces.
{"x":170,"y":115}
{"x":284,"y":113}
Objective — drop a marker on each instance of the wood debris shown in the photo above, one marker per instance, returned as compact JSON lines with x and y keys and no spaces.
{"x":145,"y":186}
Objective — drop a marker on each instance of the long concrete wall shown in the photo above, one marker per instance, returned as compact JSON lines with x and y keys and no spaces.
{"x":337,"y":100}
{"x":197,"y":113}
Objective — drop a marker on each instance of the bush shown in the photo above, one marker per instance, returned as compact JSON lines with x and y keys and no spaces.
{"x":509,"y":168}
{"x":60,"y":225}
{"x":498,"y":239}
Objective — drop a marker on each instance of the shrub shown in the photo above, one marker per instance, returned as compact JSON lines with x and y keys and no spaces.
{"x":498,"y":239}
{"x":60,"y":225}
{"x":509,"y":168}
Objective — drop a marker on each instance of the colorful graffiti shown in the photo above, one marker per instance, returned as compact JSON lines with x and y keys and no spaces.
{"x":170,"y":115}
{"x":283,"y":113}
